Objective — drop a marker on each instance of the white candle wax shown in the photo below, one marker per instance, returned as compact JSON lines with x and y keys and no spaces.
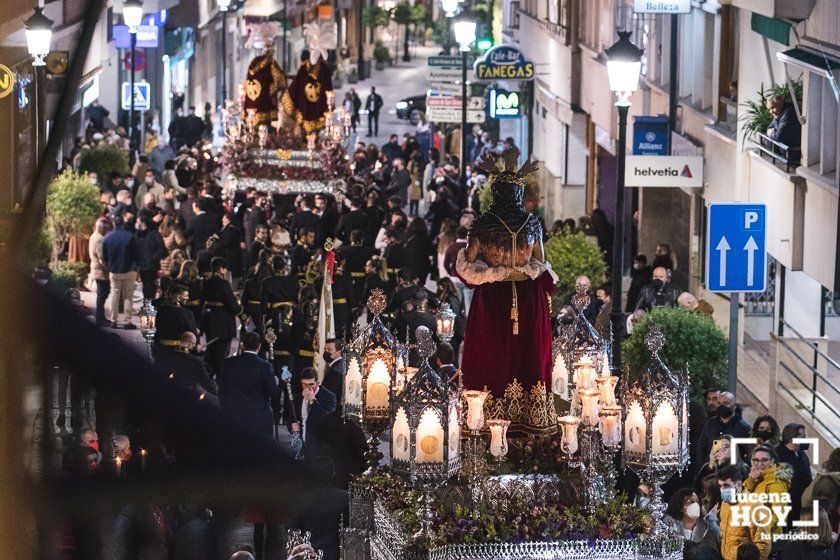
{"x":378,"y":386}
{"x":429,"y":442}
{"x":498,"y":437}
{"x":569,"y":441}
{"x":589,"y":403}
{"x":475,"y":408}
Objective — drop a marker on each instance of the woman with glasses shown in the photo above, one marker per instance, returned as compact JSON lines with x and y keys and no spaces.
{"x":768,"y":477}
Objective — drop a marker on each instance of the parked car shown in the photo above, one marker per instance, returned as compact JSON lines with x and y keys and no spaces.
{"x":411,"y":107}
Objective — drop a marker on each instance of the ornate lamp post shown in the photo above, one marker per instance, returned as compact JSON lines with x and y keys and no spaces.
{"x":38,"y":39}
{"x":464,"y":28}
{"x":656,"y":423}
{"x":369,"y":382}
{"x":147,"y":315}
{"x":624,"y":65}
{"x":425,"y":432}
{"x":132,"y":16}
{"x":445,"y":319}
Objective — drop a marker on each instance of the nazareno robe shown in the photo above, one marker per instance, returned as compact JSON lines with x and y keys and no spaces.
{"x":264,"y":81}
{"x":493,"y":355}
{"x":306,"y":99}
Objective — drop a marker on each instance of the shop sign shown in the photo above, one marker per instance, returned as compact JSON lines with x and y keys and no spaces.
{"x":147,"y":37}
{"x":504,"y":62}
{"x":664,"y":171}
{"x":651,"y":136}
{"x":661,"y":6}
{"x":503,"y":104}
{"x":7,"y":81}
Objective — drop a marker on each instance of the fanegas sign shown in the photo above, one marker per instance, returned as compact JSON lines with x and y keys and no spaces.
{"x":504,"y":62}
{"x":751,"y":509}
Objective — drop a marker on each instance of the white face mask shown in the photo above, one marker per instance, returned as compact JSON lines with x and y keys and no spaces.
{"x":693,"y":511}
{"x":150,"y":180}
{"x":94,"y":180}
{"x":728,"y":495}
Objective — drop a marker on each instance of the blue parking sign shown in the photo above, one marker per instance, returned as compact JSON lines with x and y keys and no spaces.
{"x":736,"y":247}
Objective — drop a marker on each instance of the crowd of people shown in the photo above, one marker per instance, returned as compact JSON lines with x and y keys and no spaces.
{"x":223,"y":271}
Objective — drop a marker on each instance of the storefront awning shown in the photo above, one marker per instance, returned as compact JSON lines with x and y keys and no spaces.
{"x":818,"y":63}
{"x":776,"y":29}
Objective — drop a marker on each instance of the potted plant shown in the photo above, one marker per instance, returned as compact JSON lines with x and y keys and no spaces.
{"x":381,"y":56}
{"x":756,"y":118}
{"x":353,"y":76}
{"x":72,"y":208}
{"x":690,"y":339}
{"x":104,"y":160}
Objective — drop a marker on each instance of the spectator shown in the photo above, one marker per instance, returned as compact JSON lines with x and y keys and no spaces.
{"x":119,"y":252}
{"x":766,"y":430}
{"x":794,"y":455}
{"x":769,"y":477}
{"x":662,"y":257}
{"x":392,"y":149}
{"x":748,"y":551}
{"x":719,"y":457}
{"x":603,"y":297}
{"x":711,"y":397}
{"x":98,"y":269}
{"x":688,"y":301}
{"x":201,"y":227}
{"x":584,"y":285}
{"x":150,"y":251}
{"x":373,"y":104}
{"x":684,"y":514}
{"x":818,"y":547}
{"x":728,"y":420}
{"x":334,"y":374}
{"x":826,"y":489}
{"x":400,"y":181}
{"x":660,"y":292}
{"x":785,"y":127}
{"x":418,"y":250}
{"x":732,"y":535}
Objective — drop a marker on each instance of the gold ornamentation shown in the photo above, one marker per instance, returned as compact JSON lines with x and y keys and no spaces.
{"x":376,"y":301}
{"x":514,"y":403}
{"x":541,"y":413}
{"x":284,"y":154}
{"x":253,"y":88}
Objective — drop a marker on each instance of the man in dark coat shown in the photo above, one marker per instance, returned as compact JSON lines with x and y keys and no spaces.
{"x":785,"y":127}
{"x":335,"y":367}
{"x":727,"y":421}
{"x":201,"y":227}
{"x":172,"y":321}
{"x":305,"y":218}
{"x":660,"y":292}
{"x":303,"y":251}
{"x":582,"y":283}
{"x":220,"y":311}
{"x":230,"y":239}
{"x":355,"y":219}
{"x":194,"y":128}
{"x":185,"y":368}
{"x":246,"y":386}
{"x":150,"y":251}
{"x":373,"y":104}
{"x":400,"y":181}
{"x":314,"y":403}
{"x":356,"y":256}
{"x":392,"y":148}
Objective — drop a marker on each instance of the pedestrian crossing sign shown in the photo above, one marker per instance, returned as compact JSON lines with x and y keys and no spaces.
{"x":142,"y":96}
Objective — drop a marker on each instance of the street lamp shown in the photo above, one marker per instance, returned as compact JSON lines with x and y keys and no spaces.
{"x":132,"y":16}
{"x":449,"y":7}
{"x":38,"y":38}
{"x":624,"y":64}
{"x":464,"y":28}
{"x":224,"y":5}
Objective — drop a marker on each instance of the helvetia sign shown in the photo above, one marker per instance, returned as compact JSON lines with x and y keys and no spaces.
{"x":664,"y":171}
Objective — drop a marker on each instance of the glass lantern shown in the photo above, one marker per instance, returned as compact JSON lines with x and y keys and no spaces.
{"x":445,"y":319}
{"x":498,"y":438}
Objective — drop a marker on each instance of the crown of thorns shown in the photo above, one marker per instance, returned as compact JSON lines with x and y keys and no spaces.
{"x":507,"y":171}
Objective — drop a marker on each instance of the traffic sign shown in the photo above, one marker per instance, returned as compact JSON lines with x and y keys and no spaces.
{"x":139,"y":60}
{"x":450,"y":61}
{"x":142,"y":96}
{"x":450,"y":75}
{"x":736,"y":247}
{"x":453,"y":114}
{"x":435,"y":99}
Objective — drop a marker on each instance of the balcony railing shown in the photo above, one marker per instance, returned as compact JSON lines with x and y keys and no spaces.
{"x":781,"y":154}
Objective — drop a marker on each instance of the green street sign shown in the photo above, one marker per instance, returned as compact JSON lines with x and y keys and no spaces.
{"x":445,"y":61}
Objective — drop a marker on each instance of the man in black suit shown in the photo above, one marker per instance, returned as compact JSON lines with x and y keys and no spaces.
{"x":313,"y":405}
{"x":305,"y":218}
{"x":186,"y":369}
{"x":202,"y":227}
{"x":246,"y":386}
{"x":355,"y":219}
{"x":220,"y":311}
{"x":356,"y":256}
{"x":303,"y":251}
{"x":335,"y":367}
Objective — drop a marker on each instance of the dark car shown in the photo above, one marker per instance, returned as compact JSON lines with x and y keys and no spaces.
{"x":411,"y":107}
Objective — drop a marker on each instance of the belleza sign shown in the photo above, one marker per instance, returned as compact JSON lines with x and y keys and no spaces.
{"x":663,"y":171}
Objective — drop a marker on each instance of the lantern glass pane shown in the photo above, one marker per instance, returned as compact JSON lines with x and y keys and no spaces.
{"x":400,"y":436}
{"x":454,"y":432}
{"x":665,"y":430}
{"x":464,"y":32}
{"x":429,"y":438}
{"x":624,"y":75}
{"x":353,"y":383}
{"x":635,"y":430}
{"x":38,"y":41}
{"x":560,"y":377}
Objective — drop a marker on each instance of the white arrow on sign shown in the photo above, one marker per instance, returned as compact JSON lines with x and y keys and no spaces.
{"x":723,"y":247}
{"x":751,"y":247}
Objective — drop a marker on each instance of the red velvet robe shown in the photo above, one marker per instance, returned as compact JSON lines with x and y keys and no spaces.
{"x":493,"y":356}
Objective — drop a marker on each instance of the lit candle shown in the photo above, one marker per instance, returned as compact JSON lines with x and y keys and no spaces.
{"x":475,"y":409}
{"x":605,"y":365}
{"x":378,"y":390}
{"x":665,"y":429}
{"x":635,"y":429}
{"x":143,"y":455}
{"x":118,"y":466}
{"x":560,"y":377}
{"x":584,"y":373}
{"x":353,"y":383}
{"x":606,"y":384}
{"x":569,"y":441}
{"x":589,"y":403}
{"x":609,"y":425}
{"x":310,"y":142}
{"x":429,"y":442}
{"x":498,"y":438}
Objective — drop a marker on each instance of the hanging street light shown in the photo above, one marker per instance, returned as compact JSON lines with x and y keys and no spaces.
{"x":464,"y":28}
{"x":133,"y":14}
{"x":38,"y":36}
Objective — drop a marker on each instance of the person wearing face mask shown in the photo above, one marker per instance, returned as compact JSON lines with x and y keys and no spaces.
{"x":149,"y":185}
{"x":728,"y":421}
{"x":719,"y":457}
{"x":766,"y":430}
{"x":660,"y":292}
{"x":794,"y":455}
{"x":335,"y":367}
{"x":172,"y":321}
{"x":768,"y":476}
{"x":640,"y":276}
{"x":93,"y":178}
{"x":732,"y":535}
{"x":684,"y":514}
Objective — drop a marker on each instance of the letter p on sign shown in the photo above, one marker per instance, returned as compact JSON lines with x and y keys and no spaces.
{"x":750,"y":217}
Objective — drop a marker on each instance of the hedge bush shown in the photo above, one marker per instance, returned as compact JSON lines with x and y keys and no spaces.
{"x":104,"y":160}
{"x":72,"y":208}
{"x":690,"y":338}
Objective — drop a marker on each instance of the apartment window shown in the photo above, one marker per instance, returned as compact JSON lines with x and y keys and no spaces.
{"x":513,"y":15}
{"x":554,"y":11}
{"x":820,"y":131}
{"x":697,"y":41}
{"x":727,"y":77}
